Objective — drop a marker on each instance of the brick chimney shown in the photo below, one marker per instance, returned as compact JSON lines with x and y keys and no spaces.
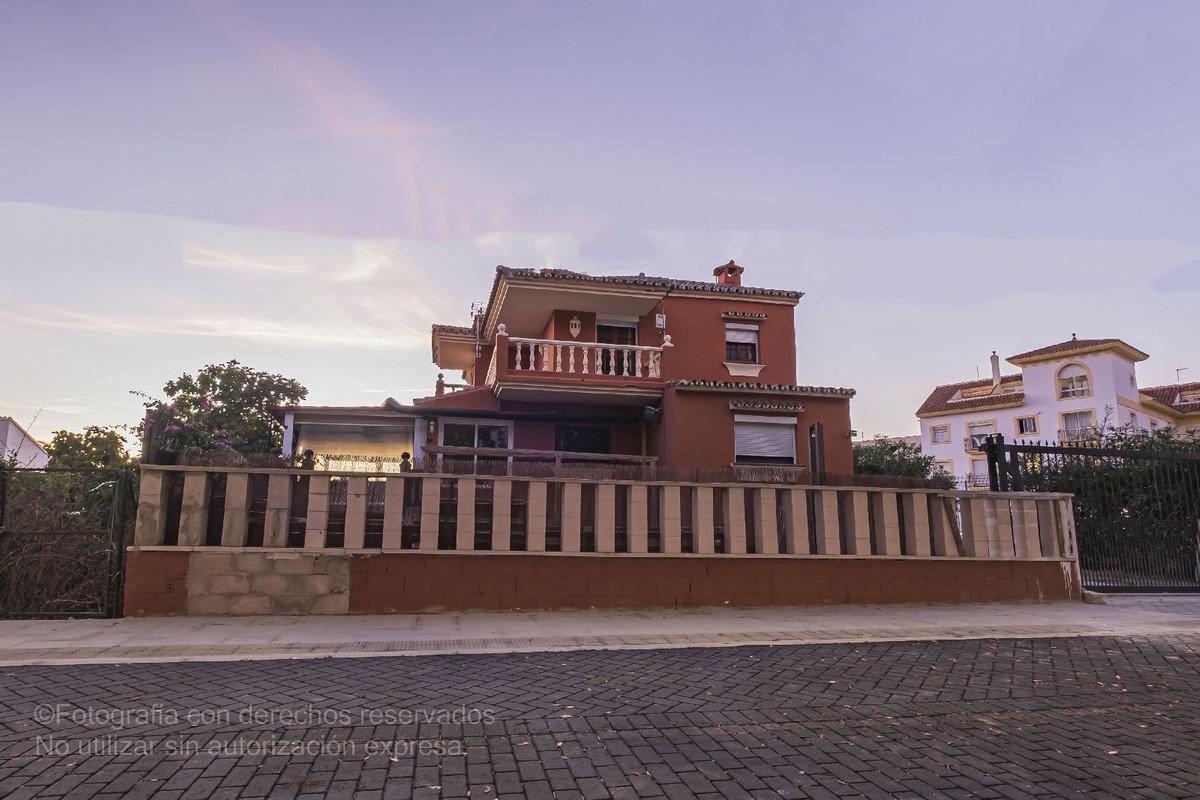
{"x":730,"y":274}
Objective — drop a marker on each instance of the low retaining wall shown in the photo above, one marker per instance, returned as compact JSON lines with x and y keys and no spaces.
{"x":209,"y":581}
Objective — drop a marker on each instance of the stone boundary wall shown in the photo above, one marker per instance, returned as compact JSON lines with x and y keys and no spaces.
{"x":221,"y":581}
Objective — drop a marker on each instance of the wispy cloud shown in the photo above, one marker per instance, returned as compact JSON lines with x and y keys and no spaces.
{"x":211,"y":258}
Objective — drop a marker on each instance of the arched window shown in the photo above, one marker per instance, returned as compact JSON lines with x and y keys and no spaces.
{"x":1074,"y":381}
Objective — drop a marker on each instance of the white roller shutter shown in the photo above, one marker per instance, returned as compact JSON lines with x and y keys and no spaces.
{"x":764,"y":440}
{"x":741,"y":336}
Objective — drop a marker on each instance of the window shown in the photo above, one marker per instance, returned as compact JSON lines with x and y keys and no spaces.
{"x":764,"y":440}
{"x":618,"y":361}
{"x":1077,"y":421}
{"x":741,"y":343}
{"x":979,"y":473}
{"x":1026,"y":426}
{"x":472,"y":434}
{"x":939,"y":434}
{"x":582,"y":439}
{"x":946,"y":467}
{"x":1073,"y":381}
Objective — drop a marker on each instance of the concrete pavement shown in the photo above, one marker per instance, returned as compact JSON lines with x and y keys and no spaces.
{"x":171,"y":639}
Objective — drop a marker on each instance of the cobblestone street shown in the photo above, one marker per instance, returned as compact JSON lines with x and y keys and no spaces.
{"x":1095,"y":717}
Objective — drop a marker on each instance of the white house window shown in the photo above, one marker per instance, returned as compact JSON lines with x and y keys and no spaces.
{"x":1077,"y":421}
{"x":741,"y":343}
{"x":977,"y":433}
{"x":939,"y":434}
{"x":764,"y":440}
{"x":1027,"y":426}
{"x":1073,"y":381}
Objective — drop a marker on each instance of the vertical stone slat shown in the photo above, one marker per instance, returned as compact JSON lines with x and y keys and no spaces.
{"x":915,"y":508}
{"x":279,"y":500}
{"x":193,"y":513}
{"x":766,"y":532}
{"x":572,"y":515}
{"x":237,"y":510}
{"x":702,"y":520}
{"x":393,"y":511}
{"x":1025,"y":529}
{"x":431,"y":502}
{"x":887,"y":523}
{"x":671,"y":524}
{"x":945,"y":543}
{"x":356,"y":513}
{"x":150,"y":526}
{"x":638,"y":510}
{"x":858,"y":520}
{"x":1047,"y":526}
{"x":735,"y":520}
{"x":796,"y":508}
{"x":501,"y":515}
{"x":973,"y":511}
{"x":464,"y":536}
{"x":535,"y":516}
{"x":829,"y":527}
{"x":606,"y":518}
{"x":1004,"y":535}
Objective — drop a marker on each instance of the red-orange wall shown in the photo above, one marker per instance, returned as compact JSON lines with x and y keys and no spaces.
{"x":698,"y":333}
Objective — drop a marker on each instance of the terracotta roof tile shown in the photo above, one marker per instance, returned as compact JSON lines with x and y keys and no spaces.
{"x":1171,"y":395}
{"x":941,"y":399}
{"x":1069,"y":346}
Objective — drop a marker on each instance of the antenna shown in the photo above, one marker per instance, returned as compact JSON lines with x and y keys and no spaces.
{"x":1179,"y":372}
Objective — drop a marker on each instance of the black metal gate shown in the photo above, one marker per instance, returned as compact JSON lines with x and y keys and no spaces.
{"x":1137,"y":512}
{"x":62,"y":541}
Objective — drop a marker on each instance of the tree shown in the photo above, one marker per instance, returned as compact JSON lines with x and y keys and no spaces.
{"x":884,"y":456}
{"x":97,"y":446}
{"x":222,"y":407}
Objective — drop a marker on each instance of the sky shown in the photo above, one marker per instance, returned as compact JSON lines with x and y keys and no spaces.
{"x":307,"y":186}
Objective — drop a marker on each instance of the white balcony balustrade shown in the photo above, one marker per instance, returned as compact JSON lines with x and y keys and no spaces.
{"x":585,"y":358}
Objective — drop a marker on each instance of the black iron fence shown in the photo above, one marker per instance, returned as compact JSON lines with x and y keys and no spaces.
{"x":1137,"y":511}
{"x":62,"y":536}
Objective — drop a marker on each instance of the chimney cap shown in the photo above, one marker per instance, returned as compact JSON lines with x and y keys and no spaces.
{"x":729,"y":274}
{"x":731,"y":267}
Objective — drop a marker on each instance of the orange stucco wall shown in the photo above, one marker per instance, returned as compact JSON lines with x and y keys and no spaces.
{"x":698,"y":332}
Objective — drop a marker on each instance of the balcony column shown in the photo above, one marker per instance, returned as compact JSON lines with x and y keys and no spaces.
{"x":500,"y":352}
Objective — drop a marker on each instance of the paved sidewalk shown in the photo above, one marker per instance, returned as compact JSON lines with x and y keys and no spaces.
{"x":223,"y":638}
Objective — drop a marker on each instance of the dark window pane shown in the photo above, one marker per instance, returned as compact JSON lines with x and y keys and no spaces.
{"x":583,"y":439}
{"x":455,"y":434}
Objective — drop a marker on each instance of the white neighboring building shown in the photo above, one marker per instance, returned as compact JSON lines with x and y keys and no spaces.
{"x":1063,"y":393}
{"x":17,"y":443}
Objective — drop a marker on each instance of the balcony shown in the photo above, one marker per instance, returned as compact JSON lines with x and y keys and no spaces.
{"x":1081,"y":435}
{"x":975,"y":442}
{"x":527,"y":368}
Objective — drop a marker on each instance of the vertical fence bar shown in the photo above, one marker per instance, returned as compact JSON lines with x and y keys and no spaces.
{"x":431,"y":502}
{"x":1004,"y":528}
{"x":887,"y":524}
{"x":464,"y":535}
{"x":858,"y":537}
{"x":502,"y":515}
{"x":766,"y":532}
{"x":1047,"y":527}
{"x":150,"y":525}
{"x":915,"y":508}
{"x":672,"y":520}
{"x":796,"y":509}
{"x":1025,"y":529}
{"x":356,"y":513}
{"x":572,"y":514}
{"x":535,"y":516}
{"x":973,"y":511}
{"x":606,"y":518}
{"x":828,"y":524}
{"x":193,"y":513}
{"x":393,"y":512}
{"x":942,"y":525}
{"x":236,"y":523}
{"x":702,"y":520}
{"x":279,"y":499}
{"x":638,"y":508}
{"x":735,"y":520}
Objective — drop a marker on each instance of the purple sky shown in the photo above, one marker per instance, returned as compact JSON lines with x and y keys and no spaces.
{"x":307,"y":186}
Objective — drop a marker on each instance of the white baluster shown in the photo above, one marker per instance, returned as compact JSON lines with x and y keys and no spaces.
{"x":654,"y":367}
{"x":584,"y":350}
{"x":557,"y":358}
{"x":612,"y":362}
{"x":517,"y":366}
{"x":571,"y":358}
{"x":637,"y":363}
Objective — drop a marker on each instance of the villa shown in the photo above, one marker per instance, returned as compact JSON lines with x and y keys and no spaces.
{"x":559,"y":367}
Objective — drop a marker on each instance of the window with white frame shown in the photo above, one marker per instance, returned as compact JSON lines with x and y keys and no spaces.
{"x":977,"y":433}
{"x":1077,"y":421}
{"x":1073,"y":381}
{"x":1026,"y":426}
{"x":764,"y":440}
{"x":741,"y":343}
{"x":939,"y":434}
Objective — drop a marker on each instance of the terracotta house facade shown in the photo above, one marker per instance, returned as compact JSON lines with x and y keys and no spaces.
{"x":560,"y":366}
